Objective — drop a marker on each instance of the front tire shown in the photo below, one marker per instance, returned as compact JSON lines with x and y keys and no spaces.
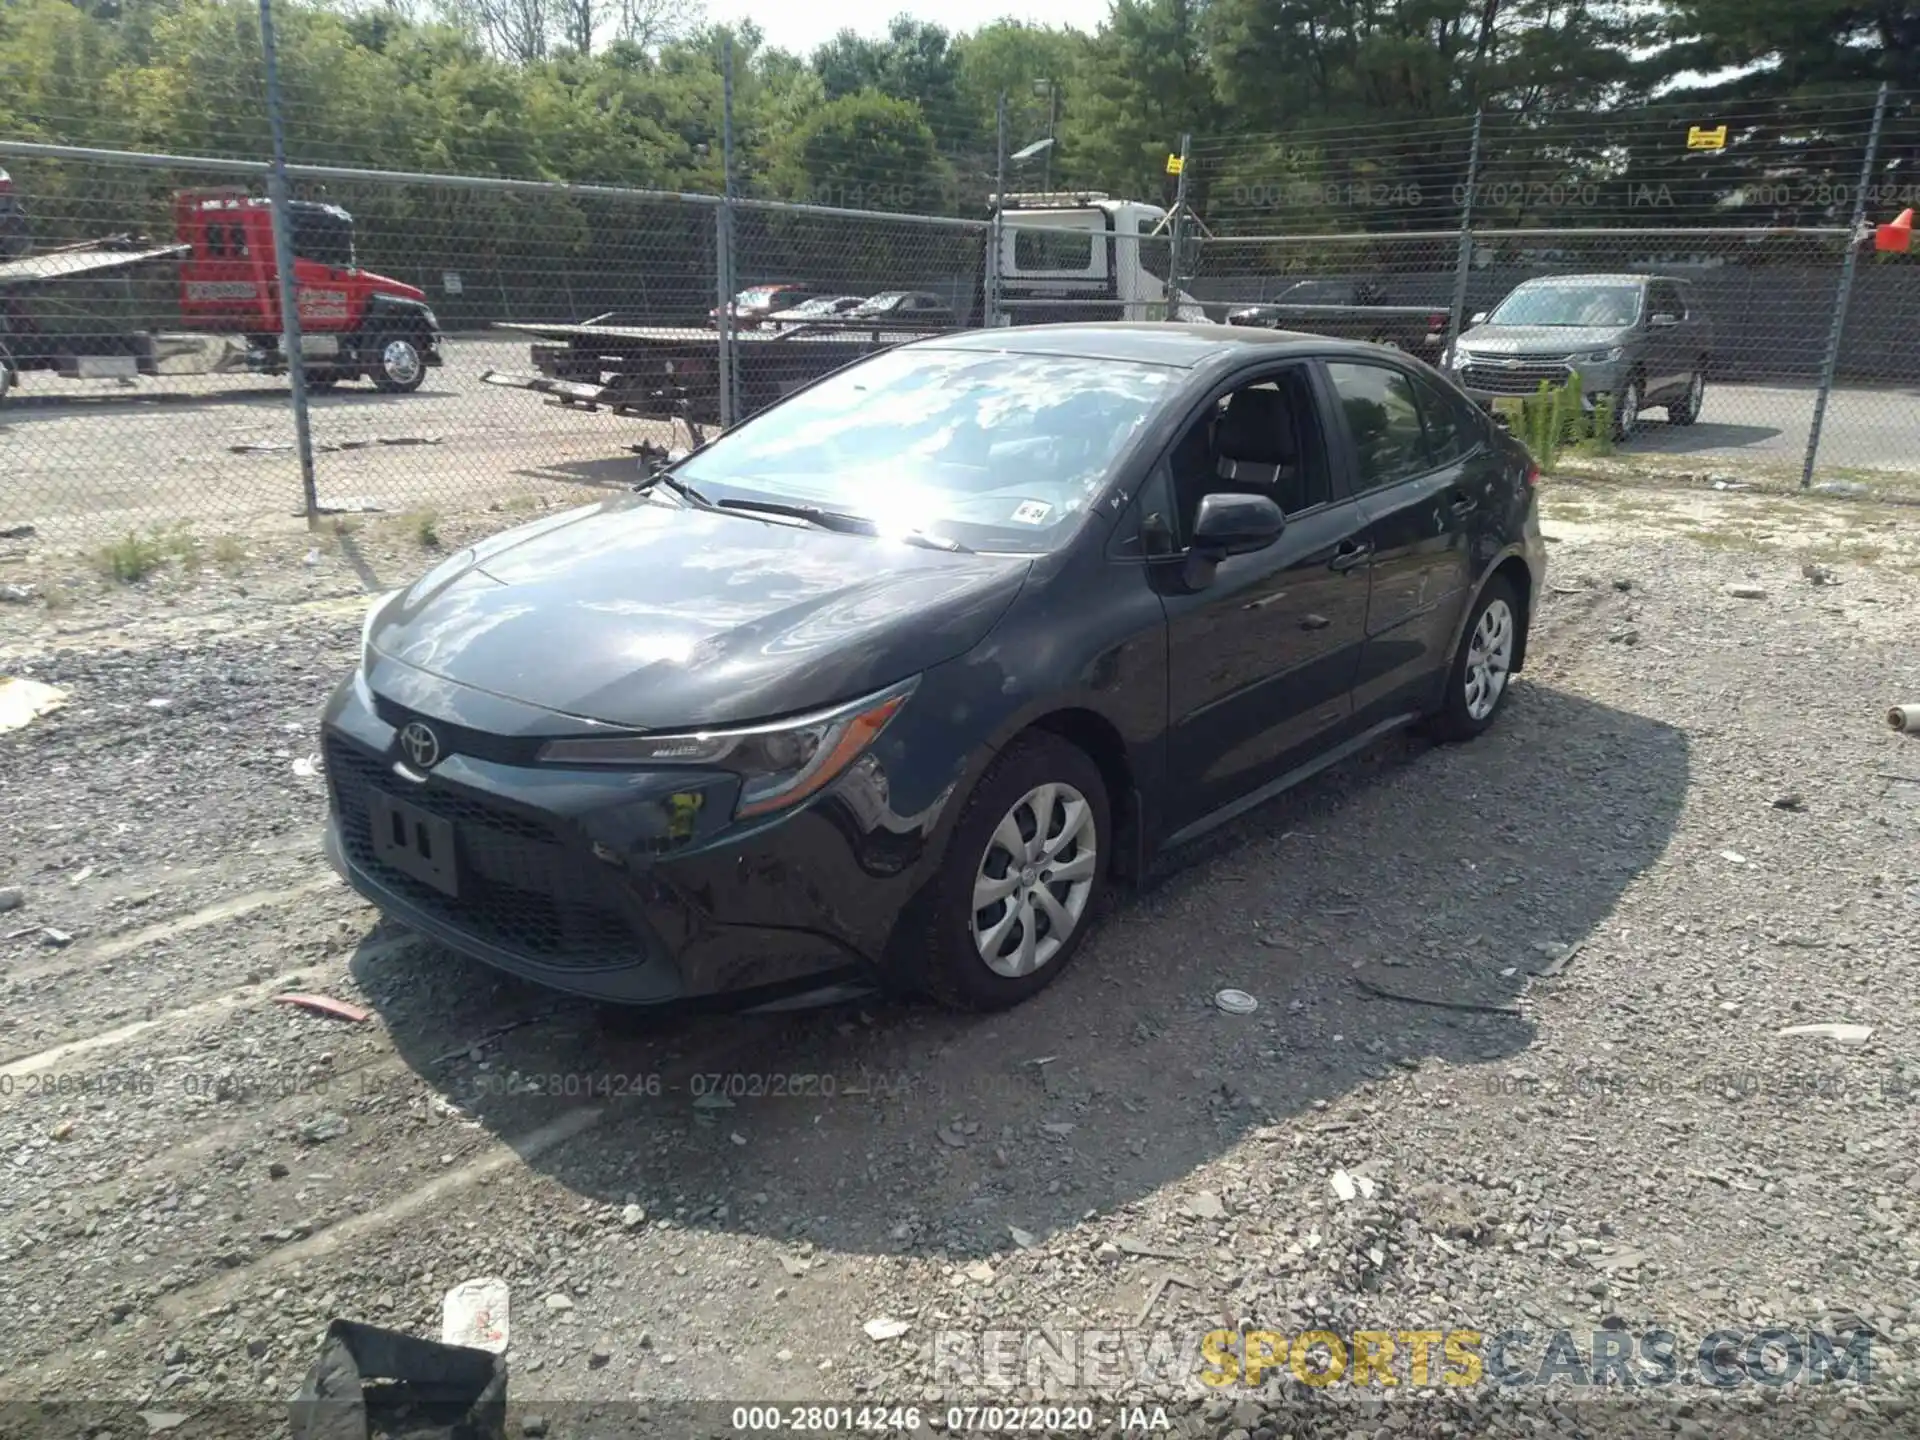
{"x":400,"y":364}
{"x":1626,"y":414}
{"x":1021,"y":880}
{"x":1482,"y":669}
{"x":1686,"y":410}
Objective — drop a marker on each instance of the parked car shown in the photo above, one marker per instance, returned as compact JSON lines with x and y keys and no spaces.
{"x":1640,"y":340}
{"x":1361,"y":310}
{"x":824,"y":307}
{"x":915,"y":307}
{"x":1004,"y":615}
{"x":752,"y":306}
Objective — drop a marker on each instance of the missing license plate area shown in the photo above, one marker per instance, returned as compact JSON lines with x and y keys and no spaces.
{"x":414,"y":842}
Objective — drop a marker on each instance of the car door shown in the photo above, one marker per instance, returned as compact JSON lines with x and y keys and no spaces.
{"x":1409,"y":450}
{"x":1262,"y":657}
{"x":1667,"y":357}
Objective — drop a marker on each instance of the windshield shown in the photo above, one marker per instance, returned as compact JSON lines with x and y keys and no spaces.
{"x":999,"y":452}
{"x":1582,"y":305}
{"x":323,"y":234}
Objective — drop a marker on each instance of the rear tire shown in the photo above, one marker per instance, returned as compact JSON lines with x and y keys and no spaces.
{"x":400,"y":363}
{"x":1482,"y":668}
{"x":1686,"y":409}
{"x":1021,"y":879}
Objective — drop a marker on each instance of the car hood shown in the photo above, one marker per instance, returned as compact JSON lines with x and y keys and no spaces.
{"x":646,"y":616}
{"x":1542,"y":339}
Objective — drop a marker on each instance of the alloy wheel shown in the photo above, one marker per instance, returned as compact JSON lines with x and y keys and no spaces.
{"x":1489,"y":659}
{"x":1031,"y":890}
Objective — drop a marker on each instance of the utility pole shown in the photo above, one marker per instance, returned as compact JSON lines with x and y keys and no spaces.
{"x":280,"y":196}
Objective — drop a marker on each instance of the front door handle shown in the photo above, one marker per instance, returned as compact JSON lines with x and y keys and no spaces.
{"x":1350,"y":554}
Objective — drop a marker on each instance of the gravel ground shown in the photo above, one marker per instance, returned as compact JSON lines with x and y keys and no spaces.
{"x":1516,"y":1063}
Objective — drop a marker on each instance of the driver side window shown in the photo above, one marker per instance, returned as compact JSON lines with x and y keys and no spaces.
{"x":1261,"y":439}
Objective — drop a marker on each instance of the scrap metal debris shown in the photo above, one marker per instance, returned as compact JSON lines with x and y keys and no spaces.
{"x":324,"y":1005}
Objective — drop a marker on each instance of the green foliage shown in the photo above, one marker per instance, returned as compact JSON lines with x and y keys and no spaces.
{"x":132,"y":559}
{"x":864,"y":151}
{"x":1555,"y":420}
{"x":907,"y":119}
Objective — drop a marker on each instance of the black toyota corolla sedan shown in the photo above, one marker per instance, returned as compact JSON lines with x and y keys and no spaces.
{"x":884,"y":685}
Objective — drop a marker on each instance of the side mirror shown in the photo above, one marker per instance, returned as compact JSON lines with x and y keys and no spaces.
{"x":1479,"y":317}
{"x":1663,"y":322}
{"x":1236,"y":524}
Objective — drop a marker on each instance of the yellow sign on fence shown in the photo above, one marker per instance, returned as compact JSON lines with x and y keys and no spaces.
{"x":1173,"y":164}
{"x":1700,"y":137}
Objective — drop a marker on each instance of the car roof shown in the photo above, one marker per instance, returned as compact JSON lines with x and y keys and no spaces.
{"x":1185,"y":346}
{"x":1623,"y":278}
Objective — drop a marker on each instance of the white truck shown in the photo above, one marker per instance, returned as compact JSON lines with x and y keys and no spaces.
{"x":1080,"y":255}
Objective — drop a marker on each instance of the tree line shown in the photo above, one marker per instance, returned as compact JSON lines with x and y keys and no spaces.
{"x":1340,"y":114}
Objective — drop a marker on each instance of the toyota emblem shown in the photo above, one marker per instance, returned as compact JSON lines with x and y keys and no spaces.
{"x":421,"y":744}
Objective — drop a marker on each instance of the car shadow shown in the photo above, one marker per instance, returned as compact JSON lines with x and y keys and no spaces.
{"x":1704,"y":435}
{"x":25,"y":407}
{"x":607,"y":472}
{"x":1385,"y":916}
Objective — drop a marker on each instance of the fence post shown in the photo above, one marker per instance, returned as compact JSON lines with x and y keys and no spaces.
{"x":992,"y":313}
{"x":279,"y":195}
{"x":723,"y":238}
{"x":1832,"y":361}
{"x":1463,"y":264}
{"x":1177,"y":232}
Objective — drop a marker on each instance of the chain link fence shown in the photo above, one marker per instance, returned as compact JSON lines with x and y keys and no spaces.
{"x":472,"y":342}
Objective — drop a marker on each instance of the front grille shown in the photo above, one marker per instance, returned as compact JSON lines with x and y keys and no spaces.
{"x":1499,"y":378}
{"x":522,"y":887}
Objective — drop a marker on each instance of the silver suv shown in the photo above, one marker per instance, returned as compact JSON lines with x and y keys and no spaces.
{"x":1640,"y":340}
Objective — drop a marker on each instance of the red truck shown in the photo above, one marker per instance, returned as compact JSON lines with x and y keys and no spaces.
{"x":81,"y":311}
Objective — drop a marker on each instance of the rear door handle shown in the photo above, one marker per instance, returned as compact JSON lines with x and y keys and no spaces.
{"x":1349,"y":554}
{"x":1462,"y":502}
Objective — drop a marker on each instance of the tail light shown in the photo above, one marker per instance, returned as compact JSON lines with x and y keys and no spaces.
{"x":1436,"y":324}
{"x":1533,"y":475}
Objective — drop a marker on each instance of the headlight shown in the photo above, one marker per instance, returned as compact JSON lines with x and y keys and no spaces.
{"x":366,"y":625}
{"x":433,"y":322}
{"x":780,"y":764}
{"x":1600,"y":357}
{"x":1463,"y":358}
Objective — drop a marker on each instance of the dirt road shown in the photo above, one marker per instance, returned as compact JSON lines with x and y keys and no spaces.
{"x":1687,"y":817}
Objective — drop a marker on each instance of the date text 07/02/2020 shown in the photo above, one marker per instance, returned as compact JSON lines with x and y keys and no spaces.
{"x":955,"y":1419}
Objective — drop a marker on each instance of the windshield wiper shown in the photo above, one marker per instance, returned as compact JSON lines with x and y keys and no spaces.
{"x":679,"y":487}
{"x":839,"y":523}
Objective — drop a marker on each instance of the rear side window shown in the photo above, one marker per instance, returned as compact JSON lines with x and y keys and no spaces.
{"x":1384,"y":421}
{"x":1452,"y":429}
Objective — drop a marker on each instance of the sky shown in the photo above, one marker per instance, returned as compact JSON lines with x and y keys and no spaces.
{"x":796,"y":25}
